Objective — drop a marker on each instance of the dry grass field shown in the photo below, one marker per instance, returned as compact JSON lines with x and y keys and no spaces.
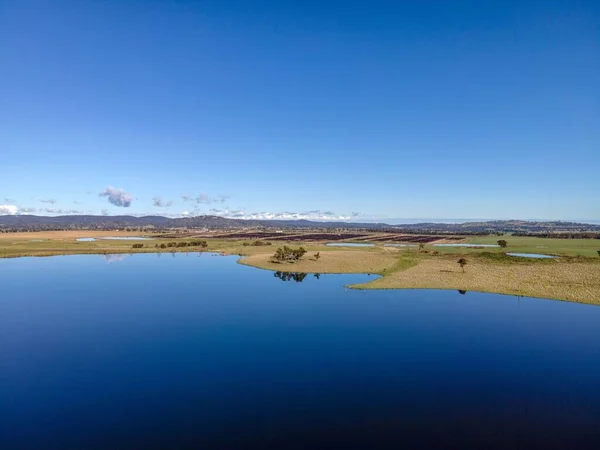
{"x":341,"y":261}
{"x":575,"y":280}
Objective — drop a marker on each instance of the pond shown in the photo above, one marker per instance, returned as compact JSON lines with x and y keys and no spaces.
{"x":349,"y":244}
{"x":196,"y":351}
{"x":467,"y":245}
{"x":114,"y":238}
{"x":531,"y":255}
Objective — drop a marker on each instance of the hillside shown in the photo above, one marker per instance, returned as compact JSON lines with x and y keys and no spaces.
{"x":91,"y":222}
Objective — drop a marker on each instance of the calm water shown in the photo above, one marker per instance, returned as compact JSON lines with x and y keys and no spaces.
{"x":114,"y":238}
{"x":531,"y":255}
{"x":467,"y":245}
{"x":349,"y":244}
{"x":400,"y":245}
{"x":195,"y":351}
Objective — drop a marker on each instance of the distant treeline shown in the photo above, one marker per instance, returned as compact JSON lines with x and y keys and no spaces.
{"x":429,"y":232}
{"x":560,"y":235}
{"x":181,"y":244}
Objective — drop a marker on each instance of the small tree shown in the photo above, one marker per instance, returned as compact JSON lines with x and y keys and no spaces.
{"x":502,"y":243}
{"x":421,"y":246}
{"x":462,"y":262}
{"x":598,"y":252}
{"x":317,"y":255}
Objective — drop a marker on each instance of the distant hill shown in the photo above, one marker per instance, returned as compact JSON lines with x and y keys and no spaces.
{"x":113,"y":222}
{"x":90,"y":222}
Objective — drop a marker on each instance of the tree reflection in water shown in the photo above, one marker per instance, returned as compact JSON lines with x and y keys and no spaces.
{"x":461,"y":292}
{"x":290,"y":276}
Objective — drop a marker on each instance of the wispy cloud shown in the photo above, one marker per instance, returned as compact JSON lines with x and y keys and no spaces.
{"x":52,"y":201}
{"x":204,"y":199}
{"x":8,"y":200}
{"x":104,"y":212}
{"x":221,"y":198}
{"x":60,"y":211}
{"x":159,"y":202}
{"x":117,"y":197}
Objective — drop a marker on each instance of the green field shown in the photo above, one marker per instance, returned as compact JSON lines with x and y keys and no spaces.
{"x":565,"y":247}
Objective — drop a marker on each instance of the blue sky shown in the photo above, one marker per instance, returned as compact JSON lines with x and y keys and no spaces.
{"x":412,"y":109}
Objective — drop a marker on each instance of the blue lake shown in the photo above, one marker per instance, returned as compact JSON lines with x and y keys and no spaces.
{"x":195,"y":351}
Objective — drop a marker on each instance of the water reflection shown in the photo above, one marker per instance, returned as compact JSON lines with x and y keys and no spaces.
{"x":461,"y":292}
{"x":115,"y":258}
{"x":298,"y":277}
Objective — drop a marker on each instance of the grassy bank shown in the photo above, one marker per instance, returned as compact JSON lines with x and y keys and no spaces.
{"x":573,"y":278}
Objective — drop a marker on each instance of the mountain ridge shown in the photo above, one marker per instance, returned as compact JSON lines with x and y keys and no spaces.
{"x":33,"y":222}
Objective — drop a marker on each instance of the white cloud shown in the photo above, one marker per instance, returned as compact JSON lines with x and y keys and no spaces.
{"x":8,"y":210}
{"x":285,"y":215}
{"x":185,"y":213}
{"x":117,"y":196}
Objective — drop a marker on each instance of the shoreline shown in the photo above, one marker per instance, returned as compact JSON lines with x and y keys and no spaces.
{"x":568,"y":278}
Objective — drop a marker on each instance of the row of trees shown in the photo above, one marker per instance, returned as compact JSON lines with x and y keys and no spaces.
{"x":195,"y":243}
{"x":257,"y":244}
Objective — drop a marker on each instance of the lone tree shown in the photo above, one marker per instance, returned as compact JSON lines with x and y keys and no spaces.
{"x":462,"y":262}
{"x":502,"y":243}
{"x":318,"y":255}
{"x":598,"y":252}
{"x":421,"y":246}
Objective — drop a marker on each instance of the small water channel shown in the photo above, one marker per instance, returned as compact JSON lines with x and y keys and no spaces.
{"x":349,"y":244}
{"x":468,"y":245}
{"x":532,"y":255}
{"x":114,"y":238}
